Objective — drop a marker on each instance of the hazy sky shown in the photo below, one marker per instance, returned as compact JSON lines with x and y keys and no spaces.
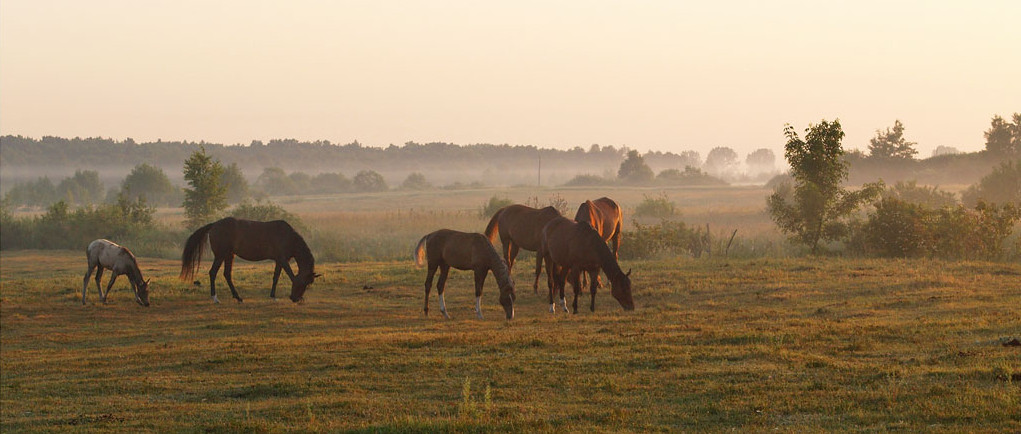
{"x":651,"y":75}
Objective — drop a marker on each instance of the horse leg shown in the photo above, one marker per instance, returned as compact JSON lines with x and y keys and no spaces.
{"x":109,"y":286}
{"x":440,"y":286}
{"x":594,"y":284}
{"x":228,"y":264}
{"x":480,"y":280}
{"x":99,"y":286}
{"x":576,"y":284}
{"x":212,"y":278}
{"x":563,"y":288}
{"x":428,"y":285}
{"x":276,"y":277}
{"x":85,"y":285}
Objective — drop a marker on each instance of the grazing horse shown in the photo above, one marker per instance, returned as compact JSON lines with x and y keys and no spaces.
{"x":605,"y":217}
{"x":520,"y":227}
{"x":569,"y":249}
{"x":107,"y":255}
{"x":253,"y":241}
{"x":464,"y":251}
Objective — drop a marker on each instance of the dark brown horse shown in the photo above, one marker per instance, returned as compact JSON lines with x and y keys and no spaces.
{"x":605,"y":217}
{"x":252,"y":241}
{"x":464,"y":251}
{"x":569,"y":249}
{"x":519,"y":227}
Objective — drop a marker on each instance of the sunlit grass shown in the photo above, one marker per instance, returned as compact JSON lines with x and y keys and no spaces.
{"x":785,"y":344}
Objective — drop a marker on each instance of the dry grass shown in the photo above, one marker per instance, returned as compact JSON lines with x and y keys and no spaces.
{"x":790,"y":345}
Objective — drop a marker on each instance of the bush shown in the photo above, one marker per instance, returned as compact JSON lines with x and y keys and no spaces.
{"x":266,"y":211}
{"x":931,"y":197}
{"x":903,"y":229}
{"x":656,"y":207}
{"x":588,"y":181}
{"x":666,"y":239}
{"x":494,"y":205}
{"x":1003,"y":185}
{"x":64,"y":228}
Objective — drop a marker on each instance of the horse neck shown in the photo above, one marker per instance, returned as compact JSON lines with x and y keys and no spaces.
{"x":606,"y":259}
{"x":135,"y":273}
{"x":499,"y":267}
{"x":584,"y":214}
{"x":303,"y":257}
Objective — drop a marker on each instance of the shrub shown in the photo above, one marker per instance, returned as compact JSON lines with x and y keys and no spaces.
{"x":656,"y":207}
{"x":1003,"y":185}
{"x":494,"y":205}
{"x":666,"y":239}
{"x":588,"y":181}
{"x":931,"y":197}
{"x":266,"y":211}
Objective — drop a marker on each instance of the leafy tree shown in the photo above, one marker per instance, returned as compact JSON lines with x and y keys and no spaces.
{"x":634,"y":170}
{"x":274,"y":181}
{"x":235,"y":183}
{"x":761,"y":161}
{"x":891,"y":145}
{"x":1003,"y":139}
{"x":83,"y":188}
{"x":150,"y":182}
{"x":331,"y":183}
{"x":369,"y":180}
{"x":811,"y":210}
{"x":721,"y":160}
{"x":207,"y":196}
{"x":1001,"y":186}
{"x":415,"y":181}
{"x":40,"y":192}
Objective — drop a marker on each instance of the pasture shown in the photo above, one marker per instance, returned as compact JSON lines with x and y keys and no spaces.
{"x":755,"y":342}
{"x":748,"y":344}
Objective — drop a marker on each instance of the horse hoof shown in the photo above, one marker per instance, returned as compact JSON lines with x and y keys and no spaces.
{"x":239,"y":300}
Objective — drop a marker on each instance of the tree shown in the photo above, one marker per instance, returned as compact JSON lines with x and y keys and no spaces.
{"x":369,"y":180}
{"x":1001,"y":186}
{"x":634,"y":170}
{"x":761,"y":161}
{"x":274,"y":181}
{"x":891,"y":145}
{"x":811,"y":210}
{"x":945,"y":150}
{"x":720,"y":161}
{"x":415,"y":181}
{"x":235,"y":183}
{"x":207,"y":196}
{"x":83,"y":188}
{"x":151,"y":183}
{"x":1003,"y":139}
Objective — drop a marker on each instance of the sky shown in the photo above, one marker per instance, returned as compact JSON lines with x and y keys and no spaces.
{"x":649,"y":75}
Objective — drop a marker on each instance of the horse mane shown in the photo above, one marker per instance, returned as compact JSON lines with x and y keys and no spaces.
{"x":499,"y":267}
{"x":606,"y":259}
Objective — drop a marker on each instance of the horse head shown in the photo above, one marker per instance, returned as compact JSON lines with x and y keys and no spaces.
{"x":142,"y":293}
{"x":300,"y":283}
{"x":507,"y":298}
{"x":621,"y":290}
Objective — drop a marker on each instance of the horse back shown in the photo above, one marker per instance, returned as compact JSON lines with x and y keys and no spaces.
{"x":524,"y":224}
{"x":110,"y":255}
{"x":254,"y":240}
{"x":461,"y":250}
{"x":571,"y":244}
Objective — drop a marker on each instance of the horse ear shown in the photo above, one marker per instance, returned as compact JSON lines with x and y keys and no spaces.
{"x":628,"y":274}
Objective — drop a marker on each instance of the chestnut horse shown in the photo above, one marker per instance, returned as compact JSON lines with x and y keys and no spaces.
{"x":570,"y":248}
{"x":253,"y":241}
{"x":107,"y":255}
{"x":605,"y":217}
{"x":520,"y":227}
{"x":464,"y":251}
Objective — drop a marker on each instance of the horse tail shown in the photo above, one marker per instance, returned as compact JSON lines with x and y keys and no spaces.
{"x":193,"y":248}
{"x":494,"y":226}
{"x":419,"y":254}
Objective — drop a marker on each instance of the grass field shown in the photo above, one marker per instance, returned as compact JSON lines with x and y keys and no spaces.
{"x":751,"y":345}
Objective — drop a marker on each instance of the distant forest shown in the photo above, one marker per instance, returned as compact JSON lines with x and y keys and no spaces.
{"x":26,"y":159}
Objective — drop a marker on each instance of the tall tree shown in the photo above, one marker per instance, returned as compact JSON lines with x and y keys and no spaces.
{"x":812,"y":210}
{"x":1003,"y":139}
{"x":634,"y":169}
{"x":891,"y":145}
{"x":235,"y":183}
{"x":721,"y":160}
{"x":149,"y":182}
{"x":207,"y":196}
{"x":761,"y":161}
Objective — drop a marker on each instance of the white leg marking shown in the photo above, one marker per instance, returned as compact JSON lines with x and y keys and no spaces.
{"x":216,"y":299}
{"x":552,"y":308}
{"x":443,"y":307}
{"x":478,"y":306}
{"x":563,"y":304}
